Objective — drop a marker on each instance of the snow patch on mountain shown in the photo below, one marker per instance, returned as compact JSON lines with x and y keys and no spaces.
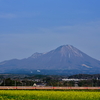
{"x":86,"y":66}
{"x":2,"y":63}
{"x":35,"y":55}
{"x":68,"y":50}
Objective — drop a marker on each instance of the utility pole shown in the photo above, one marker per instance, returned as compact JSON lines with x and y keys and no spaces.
{"x":15,"y":84}
{"x":4,"y":81}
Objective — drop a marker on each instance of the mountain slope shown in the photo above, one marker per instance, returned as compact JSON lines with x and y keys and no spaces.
{"x":65,"y":59}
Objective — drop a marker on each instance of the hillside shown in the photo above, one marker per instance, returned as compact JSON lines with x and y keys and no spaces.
{"x":65,"y":59}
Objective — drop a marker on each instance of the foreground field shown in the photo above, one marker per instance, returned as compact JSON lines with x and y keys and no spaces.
{"x":48,"y":95}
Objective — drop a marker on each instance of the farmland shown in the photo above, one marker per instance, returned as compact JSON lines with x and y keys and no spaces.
{"x":48,"y":95}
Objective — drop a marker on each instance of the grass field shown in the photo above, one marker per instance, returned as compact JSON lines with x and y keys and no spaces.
{"x":48,"y":95}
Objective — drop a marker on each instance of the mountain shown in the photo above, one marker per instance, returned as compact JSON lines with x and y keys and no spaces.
{"x":65,"y":59}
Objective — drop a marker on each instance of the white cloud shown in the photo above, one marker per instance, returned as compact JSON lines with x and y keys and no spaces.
{"x":19,"y":15}
{"x":84,"y":28}
{"x":7,"y":15}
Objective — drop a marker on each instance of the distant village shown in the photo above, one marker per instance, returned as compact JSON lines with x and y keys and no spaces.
{"x":50,"y":80}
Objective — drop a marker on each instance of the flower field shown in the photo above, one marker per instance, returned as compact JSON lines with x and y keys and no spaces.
{"x":48,"y":95}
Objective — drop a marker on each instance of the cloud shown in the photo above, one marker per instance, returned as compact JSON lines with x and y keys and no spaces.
{"x":83,"y":28}
{"x":7,"y":15}
{"x":19,"y":15}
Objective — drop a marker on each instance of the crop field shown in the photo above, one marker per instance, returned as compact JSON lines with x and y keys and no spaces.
{"x":48,"y":95}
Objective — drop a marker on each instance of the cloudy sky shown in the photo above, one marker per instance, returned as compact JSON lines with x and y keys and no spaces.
{"x":29,"y":26}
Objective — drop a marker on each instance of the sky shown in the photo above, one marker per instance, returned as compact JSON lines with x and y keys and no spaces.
{"x":29,"y":26}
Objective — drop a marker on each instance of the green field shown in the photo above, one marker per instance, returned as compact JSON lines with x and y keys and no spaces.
{"x":48,"y":95}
